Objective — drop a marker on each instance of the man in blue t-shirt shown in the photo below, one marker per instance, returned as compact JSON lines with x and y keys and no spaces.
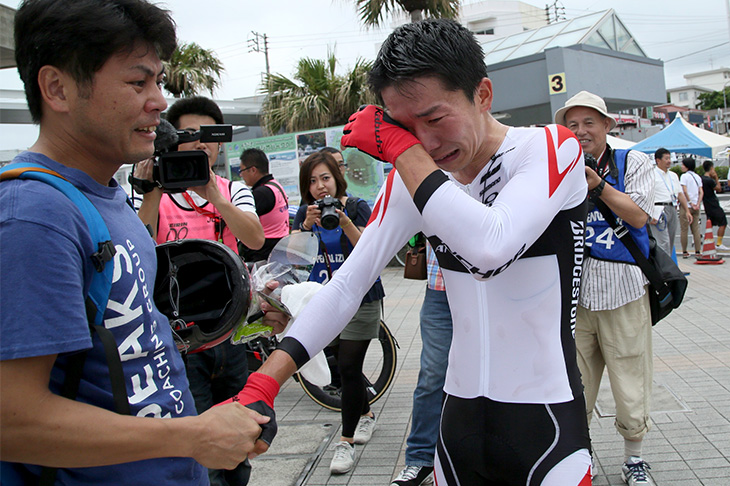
{"x":93,"y":84}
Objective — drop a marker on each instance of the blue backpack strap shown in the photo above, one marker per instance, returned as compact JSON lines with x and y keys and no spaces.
{"x":101,"y":282}
{"x":97,"y":298}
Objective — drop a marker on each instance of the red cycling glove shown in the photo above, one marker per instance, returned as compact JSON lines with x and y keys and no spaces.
{"x":258,"y":395}
{"x":372,"y":131}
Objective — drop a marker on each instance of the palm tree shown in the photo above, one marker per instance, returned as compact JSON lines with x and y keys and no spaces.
{"x":372,"y":12}
{"x":316,"y":96}
{"x":192,"y":69}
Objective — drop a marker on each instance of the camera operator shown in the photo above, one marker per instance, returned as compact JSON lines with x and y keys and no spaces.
{"x":220,"y":372}
{"x":231,"y":214}
{"x":330,"y":214}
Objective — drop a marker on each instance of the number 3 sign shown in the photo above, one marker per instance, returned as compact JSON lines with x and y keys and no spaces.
{"x":556,"y":83}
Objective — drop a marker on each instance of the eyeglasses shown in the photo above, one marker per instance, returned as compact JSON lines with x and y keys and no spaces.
{"x":246,"y":168}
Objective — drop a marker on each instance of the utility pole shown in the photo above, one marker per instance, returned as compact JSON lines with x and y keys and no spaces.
{"x":724,"y":107}
{"x":558,"y":12}
{"x":259,"y":43}
{"x":727,"y":10}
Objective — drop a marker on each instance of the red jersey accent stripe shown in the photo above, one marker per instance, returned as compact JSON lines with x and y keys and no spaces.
{"x":375,"y":212}
{"x":555,"y":177}
{"x":382,"y":202}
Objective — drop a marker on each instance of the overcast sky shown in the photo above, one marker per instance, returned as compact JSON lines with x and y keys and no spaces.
{"x":688,"y":36}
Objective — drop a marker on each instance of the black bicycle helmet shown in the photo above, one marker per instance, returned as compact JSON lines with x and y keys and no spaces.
{"x":204,"y":288}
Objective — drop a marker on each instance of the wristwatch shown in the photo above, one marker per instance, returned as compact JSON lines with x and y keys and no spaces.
{"x":596,"y":191}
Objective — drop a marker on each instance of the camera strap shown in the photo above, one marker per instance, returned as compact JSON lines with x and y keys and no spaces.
{"x":607,"y":164}
{"x":216,"y":218}
{"x":323,"y":248}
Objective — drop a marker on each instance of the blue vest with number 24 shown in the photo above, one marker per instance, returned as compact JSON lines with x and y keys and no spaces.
{"x":600,"y":237}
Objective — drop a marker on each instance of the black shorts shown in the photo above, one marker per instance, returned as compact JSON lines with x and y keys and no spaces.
{"x":716,"y":215}
{"x":483,"y":442}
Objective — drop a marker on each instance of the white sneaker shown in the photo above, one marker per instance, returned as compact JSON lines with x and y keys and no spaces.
{"x":633,"y":472}
{"x":414,"y":476}
{"x":365,"y":429}
{"x":343,"y":459}
{"x":722,"y":247}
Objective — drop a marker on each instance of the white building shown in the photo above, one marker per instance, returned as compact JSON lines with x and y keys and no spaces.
{"x":490,"y":19}
{"x":714,"y":80}
{"x":699,"y":83}
{"x":496,"y":18}
{"x":687,"y":96}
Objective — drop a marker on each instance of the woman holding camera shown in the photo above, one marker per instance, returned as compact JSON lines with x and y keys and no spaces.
{"x":338,"y":222}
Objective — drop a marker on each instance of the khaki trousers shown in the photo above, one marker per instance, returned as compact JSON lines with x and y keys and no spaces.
{"x":620,"y":340}
{"x":684,"y":225}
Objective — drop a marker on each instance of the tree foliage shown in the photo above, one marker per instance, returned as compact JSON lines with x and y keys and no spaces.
{"x":711,"y":101}
{"x":192,"y":70}
{"x":315,"y":97}
{"x":373,"y":12}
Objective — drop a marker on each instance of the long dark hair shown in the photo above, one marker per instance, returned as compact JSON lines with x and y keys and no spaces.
{"x":305,"y":173}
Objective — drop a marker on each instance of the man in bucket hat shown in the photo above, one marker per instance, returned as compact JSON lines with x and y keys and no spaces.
{"x":613,"y":327}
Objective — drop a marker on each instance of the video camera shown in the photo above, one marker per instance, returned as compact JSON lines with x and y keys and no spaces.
{"x":329,"y":218}
{"x":175,"y":171}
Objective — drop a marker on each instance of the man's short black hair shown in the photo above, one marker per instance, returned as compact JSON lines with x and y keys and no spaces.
{"x":660,"y":153}
{"x":689,"y":162}
{"x":438,"y":48}
{"x":330,"y":150}
{"x":257,"y":158}
{"x":707,"y":165}
{"x":79,"y":36}
{"x":195,"y":105}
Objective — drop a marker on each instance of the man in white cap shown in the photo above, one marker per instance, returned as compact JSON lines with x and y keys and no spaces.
{"x":613,"y":327}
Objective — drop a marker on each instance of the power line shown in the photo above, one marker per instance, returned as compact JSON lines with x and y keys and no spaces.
{"x":697,"y":52}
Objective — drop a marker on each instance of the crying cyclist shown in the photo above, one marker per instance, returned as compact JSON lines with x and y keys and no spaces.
{"x":504,"y":208}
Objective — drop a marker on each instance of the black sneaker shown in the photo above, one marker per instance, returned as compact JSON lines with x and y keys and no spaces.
{"x":414,"y":476}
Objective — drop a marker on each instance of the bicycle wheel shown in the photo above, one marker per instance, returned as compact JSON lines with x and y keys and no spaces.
{"x":400,"y":257}
{"x":378,"y":370}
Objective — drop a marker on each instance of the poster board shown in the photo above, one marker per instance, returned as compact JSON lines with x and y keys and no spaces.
{"x":364,"y":174}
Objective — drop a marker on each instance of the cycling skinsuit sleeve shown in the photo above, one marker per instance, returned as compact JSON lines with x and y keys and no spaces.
{"x":531,"y":189}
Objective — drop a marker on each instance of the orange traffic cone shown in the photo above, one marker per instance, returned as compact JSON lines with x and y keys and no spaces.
{"x":709,"y":252}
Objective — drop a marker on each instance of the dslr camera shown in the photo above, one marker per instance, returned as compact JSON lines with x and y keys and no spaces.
{"x":590,"y":161}
{"x":329,"y":218}
{"x":175,"y":171}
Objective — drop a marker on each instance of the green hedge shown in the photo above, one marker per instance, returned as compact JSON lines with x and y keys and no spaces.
{"x":721,"y":171}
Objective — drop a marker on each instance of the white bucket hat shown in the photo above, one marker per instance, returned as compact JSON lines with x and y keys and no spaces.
{"x":588,"y":100}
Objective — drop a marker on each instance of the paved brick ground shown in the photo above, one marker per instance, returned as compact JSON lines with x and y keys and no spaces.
{"x":689,"y":443}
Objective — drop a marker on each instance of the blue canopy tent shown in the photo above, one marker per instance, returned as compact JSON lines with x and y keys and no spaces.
{"x":682,"y":137}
